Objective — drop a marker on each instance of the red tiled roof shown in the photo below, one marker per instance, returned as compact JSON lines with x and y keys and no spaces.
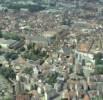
{"x":83,"y":47}
{"x":22,"y":97}
{"x":86,"y":97}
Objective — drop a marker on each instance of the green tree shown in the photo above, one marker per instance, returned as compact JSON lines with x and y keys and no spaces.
{"x":1,"y":34}
{"x":98,"y":58}
{"x":64,"y":99}
{"x":11,"y":35}
{"x":28,"y":70}
{"x":0,"y":46}
{"x":34,"y":54}
{"x":22,"y":49}
{"x":11,"y":56}
{"x":52,"y":78}
{"x":99,"y":69}
{"x":29,"y":46}
{"x":7,"y":73}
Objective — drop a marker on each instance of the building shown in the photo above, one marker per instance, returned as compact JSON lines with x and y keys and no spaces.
{"x":22,"y":97}
{"x":38,"y":40}
{"x":84,"y":56}
{"x":86,"y":97}
{"x":17,"y":45}
{"x":6,"y":43}
{"x":49,"y":34}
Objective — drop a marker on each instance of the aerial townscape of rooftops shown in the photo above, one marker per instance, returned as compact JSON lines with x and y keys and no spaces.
{"x":51,"y":49}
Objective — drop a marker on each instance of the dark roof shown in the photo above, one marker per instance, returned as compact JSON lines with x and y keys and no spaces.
{"x":66,"y":50}
{"x":17,"y":45}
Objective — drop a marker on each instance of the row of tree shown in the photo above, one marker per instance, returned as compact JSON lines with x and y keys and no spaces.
{"x":13,"y":36}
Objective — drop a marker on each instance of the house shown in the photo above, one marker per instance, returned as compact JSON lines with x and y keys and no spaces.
{"x":49,"y":34}
{"x":69,"y":95}
{"x":65,"y":95}
{"x":86,"y":51}
{"x":85,"y":57}
{"x":86,"y":97}
{"x":65,"y":50}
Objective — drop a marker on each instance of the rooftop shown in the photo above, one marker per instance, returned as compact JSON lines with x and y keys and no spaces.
{"x":49,"y":33}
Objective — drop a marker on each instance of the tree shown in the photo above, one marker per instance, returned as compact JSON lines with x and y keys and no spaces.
{"x":99,"y":69}
{"x":52,"y":78}
{"x":10,"y":55}
{"x":22,"y":49}
{"x":28,"y":70}
{"x":34,"y":54}
{"x":64,"y":99}
{"x":1,"y":34}
{"x":98,"y":58}
{"x":0,"y":46}
{"x":29,"y":46}
{"x":2,"y":52}
{"x":11,"y":35}
{"x":8,"y":73}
